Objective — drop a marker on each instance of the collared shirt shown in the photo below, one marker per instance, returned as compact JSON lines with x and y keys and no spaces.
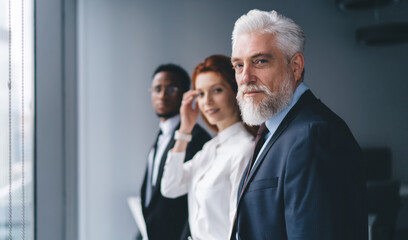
{"x":211,"y":180}
{"x":273,"y":123}
{"x":167,"y":128}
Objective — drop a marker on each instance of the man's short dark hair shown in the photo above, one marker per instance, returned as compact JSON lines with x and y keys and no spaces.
{"x":182,"y":75}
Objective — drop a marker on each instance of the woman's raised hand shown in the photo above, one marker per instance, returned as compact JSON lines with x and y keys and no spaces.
{"x":188,"y":112}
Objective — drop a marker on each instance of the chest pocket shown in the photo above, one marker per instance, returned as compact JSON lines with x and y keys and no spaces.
{"x":263,"y":184}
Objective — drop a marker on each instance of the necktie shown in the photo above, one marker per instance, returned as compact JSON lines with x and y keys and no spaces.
{"x":150,"y":168}
{"x":259,"y":141}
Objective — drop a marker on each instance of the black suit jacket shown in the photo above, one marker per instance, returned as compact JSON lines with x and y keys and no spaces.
{"x":167,"y":218}
{"x":308,"y":182}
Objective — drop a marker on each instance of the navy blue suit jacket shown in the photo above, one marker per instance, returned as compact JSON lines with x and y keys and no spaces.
{"x":167,"y":218}
{"x":308,"y":183}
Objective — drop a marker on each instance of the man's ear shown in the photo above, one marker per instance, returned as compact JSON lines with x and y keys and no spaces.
{"x":297,"y":63}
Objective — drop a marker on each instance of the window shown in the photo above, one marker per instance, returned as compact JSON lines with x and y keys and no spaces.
{"x":16,"y":119}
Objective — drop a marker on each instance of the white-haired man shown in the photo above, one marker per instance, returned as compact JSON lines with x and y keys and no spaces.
{"x":305,"y":180}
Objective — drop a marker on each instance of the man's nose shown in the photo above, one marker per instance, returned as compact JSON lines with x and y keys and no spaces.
{"x":162,"y":93}
{"x":247,"y":75}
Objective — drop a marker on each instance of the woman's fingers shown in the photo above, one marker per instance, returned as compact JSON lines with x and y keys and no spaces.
{"x":189,"y":96}
{"x":188,"y":102}
{"x":188,"y":113}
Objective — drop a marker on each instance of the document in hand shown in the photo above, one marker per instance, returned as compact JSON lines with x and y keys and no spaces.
{"x":135,"y":205}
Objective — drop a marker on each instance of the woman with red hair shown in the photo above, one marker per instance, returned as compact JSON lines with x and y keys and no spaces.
{"x":212,"y":177}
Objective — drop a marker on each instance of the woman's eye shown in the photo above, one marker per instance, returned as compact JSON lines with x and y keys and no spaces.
{"x":218,"y":90}
{"x":201,"y":94}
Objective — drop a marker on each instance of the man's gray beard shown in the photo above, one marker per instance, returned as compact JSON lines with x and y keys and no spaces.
{"x":255,"y":114}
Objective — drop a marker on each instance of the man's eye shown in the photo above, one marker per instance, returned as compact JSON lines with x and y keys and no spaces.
{"x":260,"y":61}
{"x":237,"y":66}
{"x":157,"y":89}
{"x":170,"y":90}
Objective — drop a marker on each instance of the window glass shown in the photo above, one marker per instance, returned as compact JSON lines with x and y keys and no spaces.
{"x":16,"y":119}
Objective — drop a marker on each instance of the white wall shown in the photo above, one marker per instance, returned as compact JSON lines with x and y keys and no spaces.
{"x":122,"y":42}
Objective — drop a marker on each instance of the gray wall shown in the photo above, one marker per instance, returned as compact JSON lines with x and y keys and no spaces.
{"x":55,"y":120}
{"x":49,"y":198}
{"x":121,"y":43}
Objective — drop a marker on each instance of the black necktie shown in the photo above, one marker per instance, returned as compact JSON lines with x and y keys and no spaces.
{"x":149,"y":185}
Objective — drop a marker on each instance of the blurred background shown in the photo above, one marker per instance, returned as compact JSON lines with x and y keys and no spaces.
{"x":95,"y":124}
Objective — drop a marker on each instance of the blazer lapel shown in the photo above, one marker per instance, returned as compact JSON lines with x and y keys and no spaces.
{"x":305,"y":98}
{"x":163,"y":161}
{"x":275,"y":136}
{"x":156,"y":189}
{"x":143,"y":190}
{"x":144,"y":184}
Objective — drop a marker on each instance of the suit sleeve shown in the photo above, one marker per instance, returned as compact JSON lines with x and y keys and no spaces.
{"x":316,"y":182}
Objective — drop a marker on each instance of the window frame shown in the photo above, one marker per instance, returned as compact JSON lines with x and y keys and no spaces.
{"x":56,"y":150}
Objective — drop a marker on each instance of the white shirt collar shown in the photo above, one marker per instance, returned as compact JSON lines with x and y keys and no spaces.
{"x":230,"y":131}
{"x":167,"y":127}
{"x":273,"y":123}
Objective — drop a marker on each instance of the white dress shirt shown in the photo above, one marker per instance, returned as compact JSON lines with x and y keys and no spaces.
{"x":273,"y":123}
{"x":211,"y":180}
{"x":167,"y":127}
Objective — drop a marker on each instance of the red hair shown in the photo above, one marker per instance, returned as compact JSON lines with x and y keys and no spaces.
{"x":222,"y":65}
{"x":219,"y":64}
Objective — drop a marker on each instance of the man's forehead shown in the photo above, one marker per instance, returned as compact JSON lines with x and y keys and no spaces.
{"x":252,"y":45}
{"x":165,"y":78}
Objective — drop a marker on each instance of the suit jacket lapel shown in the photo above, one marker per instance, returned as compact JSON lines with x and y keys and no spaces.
{"x":305,"y":98}
{"x":275,"y":136}
{"x":143,"y":190}
{"x":163,"y":162}
{"x":156,"y":189}
{"x":144,"y":184}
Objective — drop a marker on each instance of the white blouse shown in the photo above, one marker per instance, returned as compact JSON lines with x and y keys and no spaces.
{"x":211,"y":180}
